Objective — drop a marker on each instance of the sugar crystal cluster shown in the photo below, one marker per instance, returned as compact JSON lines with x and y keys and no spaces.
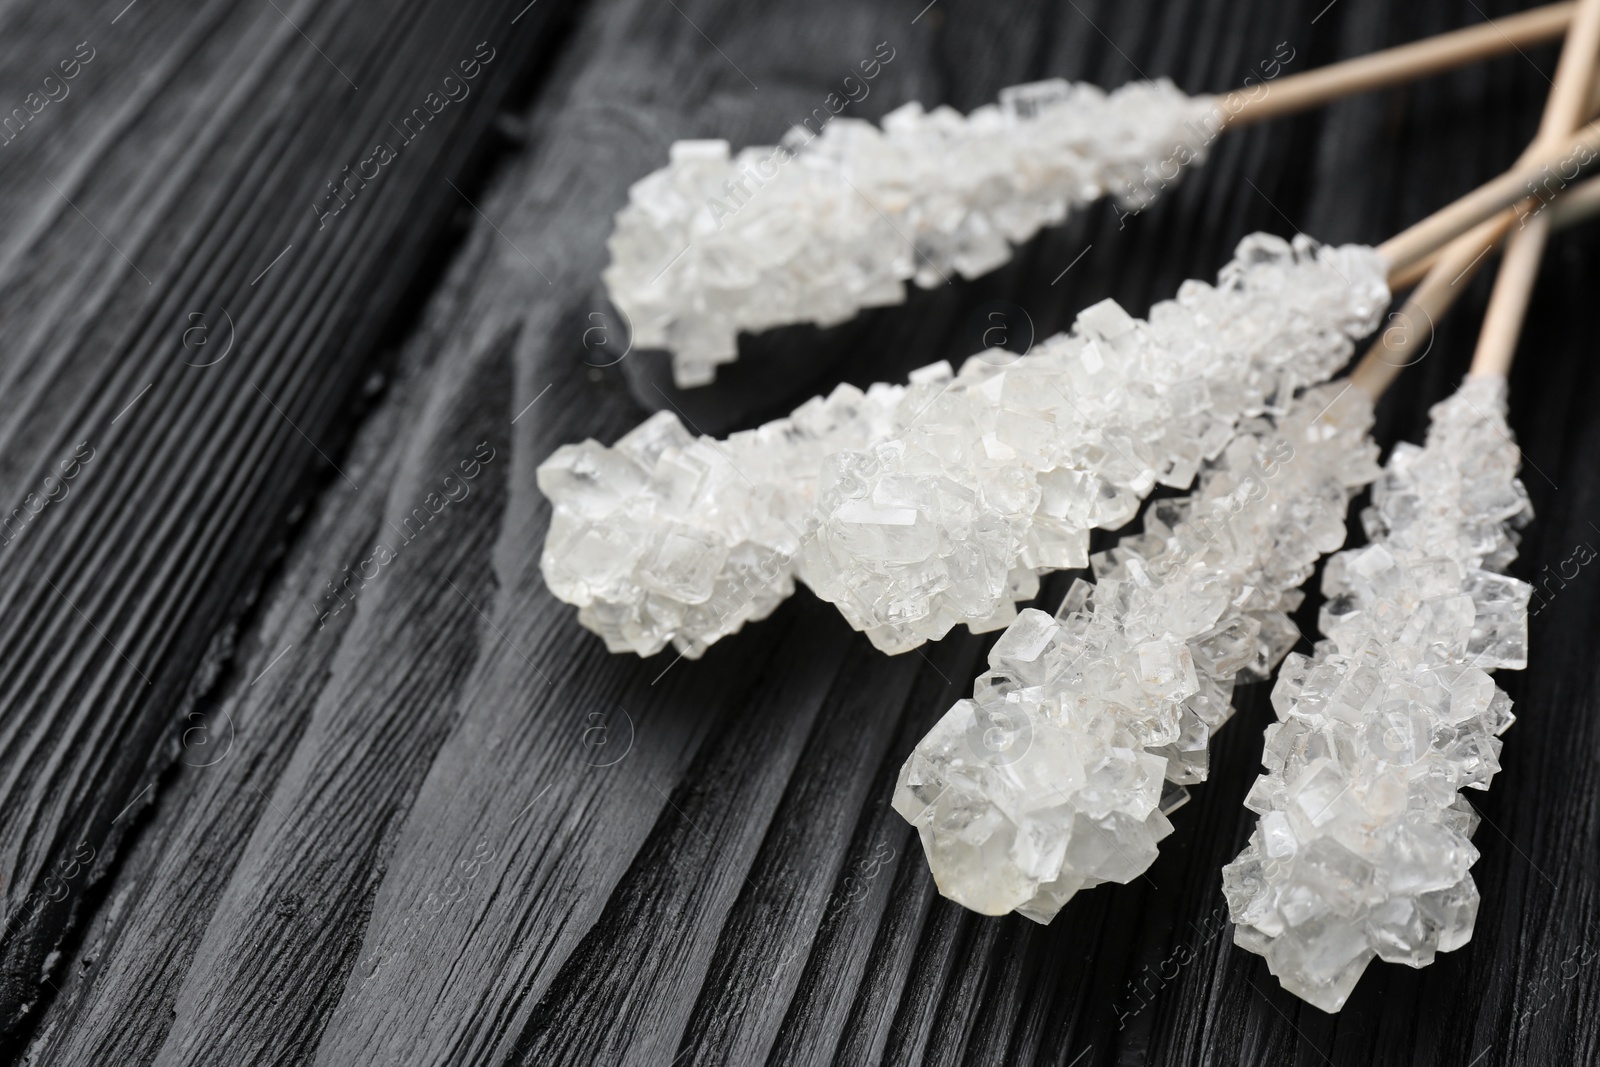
{"x":916,"y":508}
{"x":821,"y":226}
{"x":1363,"y":844}
{"x":1002,"y":475}
{"x":669,"y":537}
{"x":1058,"y":773}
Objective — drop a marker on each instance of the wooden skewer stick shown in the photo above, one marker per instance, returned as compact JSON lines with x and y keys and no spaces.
{"x":1395,"y":66}
{"x":1573,"y":96}
{"x":1543,"y":175}
{"x":1513,"y":287}
{"x":1457,"y":264}
{"x":1578,"y":206}
{"x":1413,"y":324}
{"x":1571,"y":202}
{"x":1508,"y":304}
{"x":1575,"y":90}
{"x":1405,"y":277}
{"x":1404,"y":341}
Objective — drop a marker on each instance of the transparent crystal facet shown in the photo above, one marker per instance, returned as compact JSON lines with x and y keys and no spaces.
{"x":1363,"y":844}
{"x":1123,"y":687}
{"x":917,"y":508}
{"x":843,"y":213}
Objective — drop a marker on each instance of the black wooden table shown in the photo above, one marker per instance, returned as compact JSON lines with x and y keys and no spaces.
{"x":247,"y":820}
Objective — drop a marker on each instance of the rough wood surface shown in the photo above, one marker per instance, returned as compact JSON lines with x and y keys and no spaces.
{"x":441,"y":824}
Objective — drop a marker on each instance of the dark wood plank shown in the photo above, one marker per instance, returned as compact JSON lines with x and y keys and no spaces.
{"x":416,"y":849}
{"x":115,"y":1005}
{"x":203,"y":158}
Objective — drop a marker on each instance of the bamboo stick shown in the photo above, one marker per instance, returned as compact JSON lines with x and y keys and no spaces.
{"x":1411,"y":327}
{"x":1568,"y":105}
{"x":1578,"y":206}
{"x":1576,"y":92}
{"x":1395,"y":66}
{"x":1573,"y":207}
{"x":1544,"y":175}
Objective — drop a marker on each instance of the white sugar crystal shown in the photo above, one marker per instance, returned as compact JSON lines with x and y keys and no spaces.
{"x":917,"y":508}
{"x":668,"y":537}
{"x":1010,"y":467}
{"x":824,"y":225}
{"x":1136,"y":671}
{"x":1363,"y":845}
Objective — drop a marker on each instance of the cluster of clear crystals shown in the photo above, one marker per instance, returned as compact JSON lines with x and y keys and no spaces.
{"x":1003,"y":475}
{"x":1059,"y":772}
{"x":1363,"y":846}
{"x":916,"y":508}
{"x":666,"y":536}
{"x":821,"y":226}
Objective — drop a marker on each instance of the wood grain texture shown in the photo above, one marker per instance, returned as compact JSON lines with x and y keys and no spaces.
{"x":443,"y":825}
{"x":204,"y":180}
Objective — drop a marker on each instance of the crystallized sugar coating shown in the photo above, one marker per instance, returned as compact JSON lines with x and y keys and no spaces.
{"x":1002,"y":476}
{"x":669,"y":537}
{"x":819,"y":227}
{"x":916,"y":508}
{"x":1052,"y":778}
{"x":1363,"y":844}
